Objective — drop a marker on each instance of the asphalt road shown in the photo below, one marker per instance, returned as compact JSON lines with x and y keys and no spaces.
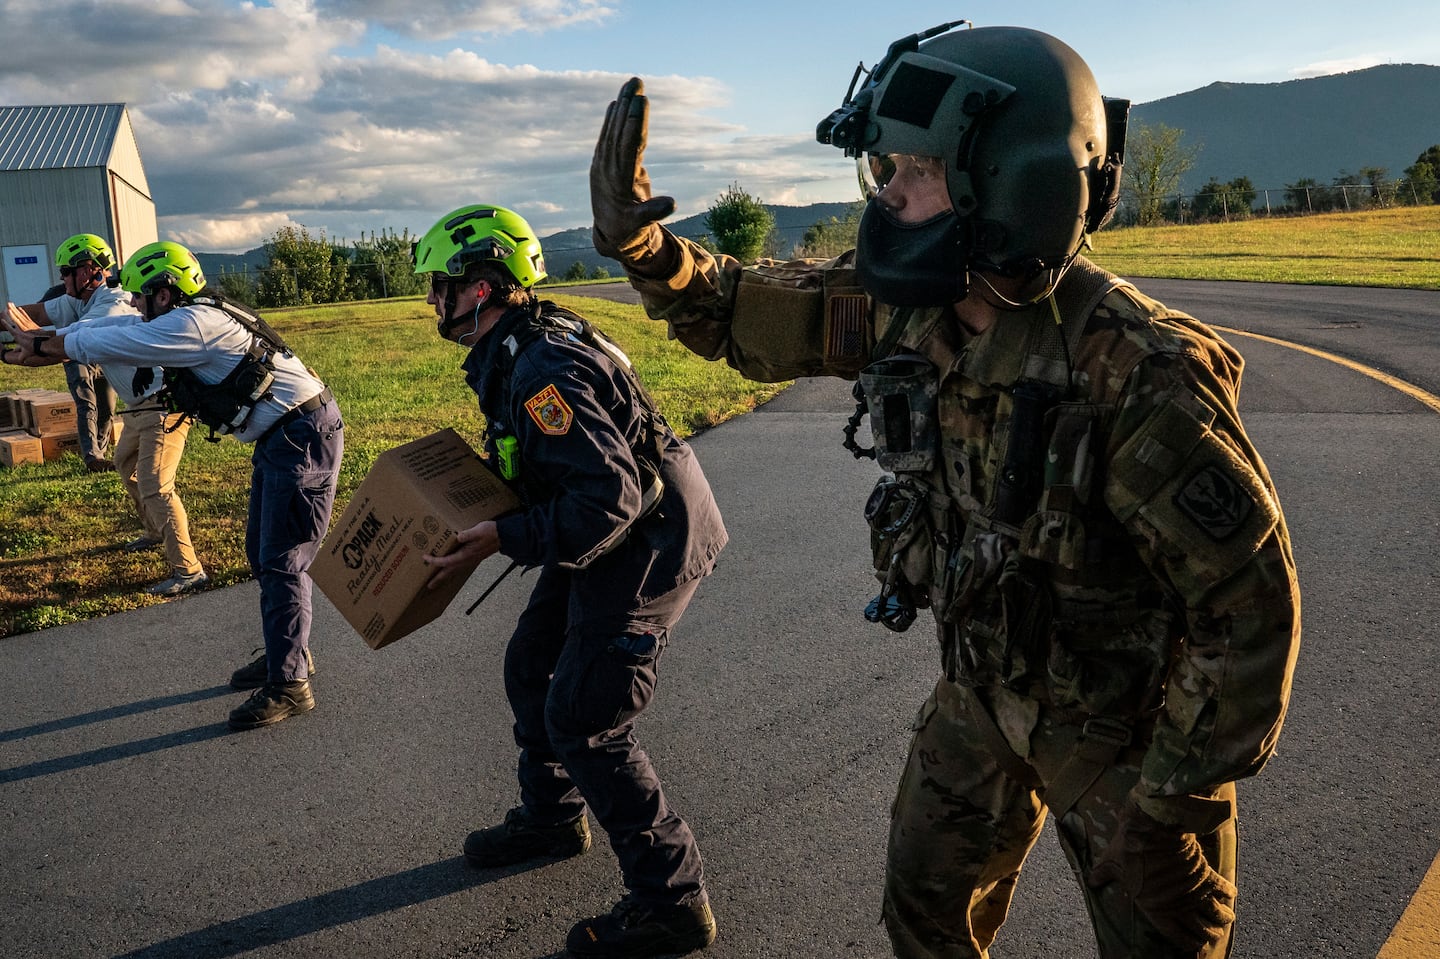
{"x":133,"y":824}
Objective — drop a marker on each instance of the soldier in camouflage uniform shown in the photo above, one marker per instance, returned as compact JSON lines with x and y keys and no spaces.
{"x":1070,"y":490}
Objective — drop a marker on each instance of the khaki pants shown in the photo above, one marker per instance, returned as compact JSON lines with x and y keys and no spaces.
{"x":961,"y":828}
{"x":146,"y":458}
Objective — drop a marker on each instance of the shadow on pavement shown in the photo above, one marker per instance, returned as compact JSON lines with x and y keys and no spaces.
{"x":297,"y":919}
{"x":113,"y":712}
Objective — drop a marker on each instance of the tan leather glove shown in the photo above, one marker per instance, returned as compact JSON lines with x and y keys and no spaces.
{"x":626,"y":215}
{"x":1163,"y":870}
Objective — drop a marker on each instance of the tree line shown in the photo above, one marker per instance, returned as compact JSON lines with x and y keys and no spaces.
{"x":1157,"y":157}
{"x":304,"y":269}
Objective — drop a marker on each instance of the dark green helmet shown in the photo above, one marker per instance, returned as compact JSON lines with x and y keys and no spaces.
{"x":1032,"y":151}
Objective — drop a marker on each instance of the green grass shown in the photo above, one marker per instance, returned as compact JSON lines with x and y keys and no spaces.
{"x":60,"y":526}
{"x":1399,"y":247}
{"x":396,"y":380}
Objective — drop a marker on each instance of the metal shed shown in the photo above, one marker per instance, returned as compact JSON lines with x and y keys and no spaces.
{"x":64,"y":170}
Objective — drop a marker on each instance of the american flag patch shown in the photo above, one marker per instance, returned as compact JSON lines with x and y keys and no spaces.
{"x":845,"y":326}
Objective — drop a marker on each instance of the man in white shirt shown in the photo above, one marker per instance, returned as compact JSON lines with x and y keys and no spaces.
{"x":152,"y":440}
{"x":84,"y":261}
{"x":227,"y":368}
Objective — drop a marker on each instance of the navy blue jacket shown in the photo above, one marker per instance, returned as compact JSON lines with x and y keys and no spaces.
{"x":578,"y":424}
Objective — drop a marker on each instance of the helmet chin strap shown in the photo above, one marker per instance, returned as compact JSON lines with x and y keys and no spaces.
{"x":449,"y":324}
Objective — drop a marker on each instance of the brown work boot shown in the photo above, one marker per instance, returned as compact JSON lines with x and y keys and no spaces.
{"x":636,"y":930}
{"x":520,"y":839}
{"x":272,"y":703}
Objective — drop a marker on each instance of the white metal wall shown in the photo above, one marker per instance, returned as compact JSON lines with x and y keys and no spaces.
{"x":46,"y":206}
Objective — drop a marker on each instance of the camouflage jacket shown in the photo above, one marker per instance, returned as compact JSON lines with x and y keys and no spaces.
{"x":1157,"y":546}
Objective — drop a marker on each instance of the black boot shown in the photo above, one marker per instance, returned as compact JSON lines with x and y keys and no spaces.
{"x":272,"y":703}
{"x":256,"y":673}
{"x":520,"y":839}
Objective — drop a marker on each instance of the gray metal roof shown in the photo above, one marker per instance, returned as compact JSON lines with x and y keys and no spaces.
{"x":58,"y":137}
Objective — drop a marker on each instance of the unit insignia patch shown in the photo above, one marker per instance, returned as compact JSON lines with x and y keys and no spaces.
{"x":550,"y":411}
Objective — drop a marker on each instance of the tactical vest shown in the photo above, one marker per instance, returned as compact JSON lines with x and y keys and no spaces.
{"x":1033,"y":584}
{"x":225,"y":407}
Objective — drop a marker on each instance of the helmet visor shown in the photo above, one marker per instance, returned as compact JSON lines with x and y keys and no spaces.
{"x":874,"y":171}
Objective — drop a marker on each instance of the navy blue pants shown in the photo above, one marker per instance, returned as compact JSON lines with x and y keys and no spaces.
{"x":292,"y":488}
{"x":576,"y":685}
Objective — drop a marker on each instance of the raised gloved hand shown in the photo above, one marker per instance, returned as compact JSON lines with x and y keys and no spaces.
{"x":625,"y":213}
{"x":1162,"y":868}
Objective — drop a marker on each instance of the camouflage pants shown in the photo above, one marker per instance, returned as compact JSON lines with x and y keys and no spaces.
{"x":961,"y":828}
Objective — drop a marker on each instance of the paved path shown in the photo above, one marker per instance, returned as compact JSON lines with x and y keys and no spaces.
{"x":133,"y":824}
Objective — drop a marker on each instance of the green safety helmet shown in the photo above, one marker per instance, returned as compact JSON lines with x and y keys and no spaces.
{"x":1032,"y":151}
{"x":477,"y":234}
{"x":82,"y":247}
{"x":161,"y":264}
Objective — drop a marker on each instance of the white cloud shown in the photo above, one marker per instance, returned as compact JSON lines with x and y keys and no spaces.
{"x":224,"y":234}
{"x":448,"y":18}
{"x":1324,"y":68}
{"x":269,"y":119}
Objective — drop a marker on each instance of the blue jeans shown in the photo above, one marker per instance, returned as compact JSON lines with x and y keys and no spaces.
{"x":576,"y":686}
{"x":292,"y":489}
{"x":94,"y":408}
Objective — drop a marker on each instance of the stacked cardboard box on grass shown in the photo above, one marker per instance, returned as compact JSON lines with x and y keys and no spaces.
{"x":36,"y":426}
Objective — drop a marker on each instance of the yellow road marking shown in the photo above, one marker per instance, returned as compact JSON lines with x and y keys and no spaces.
{"x":1417,"y":934}
{"x":1410,"y":390}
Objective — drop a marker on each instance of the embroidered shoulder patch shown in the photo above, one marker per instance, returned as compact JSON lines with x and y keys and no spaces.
{"x":1215,"y":502}
{"x":550,"y":411}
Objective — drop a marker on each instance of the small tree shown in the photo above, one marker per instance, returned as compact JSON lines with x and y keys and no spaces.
{"x":832,"y":237}
{"x":1382,"y":191}
{"x":740,"y":224}
{"x":1225,"y":201}
{"x":382,"y":266}
{"x":576,"y":272}
{"x":237,"y":287}
{"x":1423,"y":177}
{"x":303,"y":269}
{"x":1308,"y":195}
{"x":1351,"y":190}
{"x":1155,"y":160}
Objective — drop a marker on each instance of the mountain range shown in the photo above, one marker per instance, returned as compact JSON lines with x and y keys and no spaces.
{"x":1321,"y":127}
{"x":1273,"y":133}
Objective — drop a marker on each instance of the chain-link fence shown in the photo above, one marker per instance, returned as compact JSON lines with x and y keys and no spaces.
{"x":1239,"y":202}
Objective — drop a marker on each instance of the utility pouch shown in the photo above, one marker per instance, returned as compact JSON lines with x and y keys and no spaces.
{"x":970,"y":606}
{"x":901,"y":393}
{"x":1026,"y":611}
{"x":902,"y":548}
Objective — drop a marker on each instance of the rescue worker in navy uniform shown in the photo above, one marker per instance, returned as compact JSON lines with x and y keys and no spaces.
{"x":1068,"y":488}
{"x":621,"y":521}
{"x":225,"y":367}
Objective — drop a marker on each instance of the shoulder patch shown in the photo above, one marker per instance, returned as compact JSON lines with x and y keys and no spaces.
{"x":550,"y":411}
{"x":1215,"y":502}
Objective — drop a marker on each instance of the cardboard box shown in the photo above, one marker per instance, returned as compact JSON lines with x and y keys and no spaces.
{"x":54,"y":447}
{"x":18,"y":448}
{"x":51,"y":415}
{"x":414,"y":500}
{"x":7,"y":413}
{"x":18,"y":404}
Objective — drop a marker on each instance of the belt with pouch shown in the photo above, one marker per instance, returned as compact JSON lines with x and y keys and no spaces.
{"x":295,"y":412}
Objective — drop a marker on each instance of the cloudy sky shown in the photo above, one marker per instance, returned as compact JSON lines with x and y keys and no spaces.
{"x":351,"y":116}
